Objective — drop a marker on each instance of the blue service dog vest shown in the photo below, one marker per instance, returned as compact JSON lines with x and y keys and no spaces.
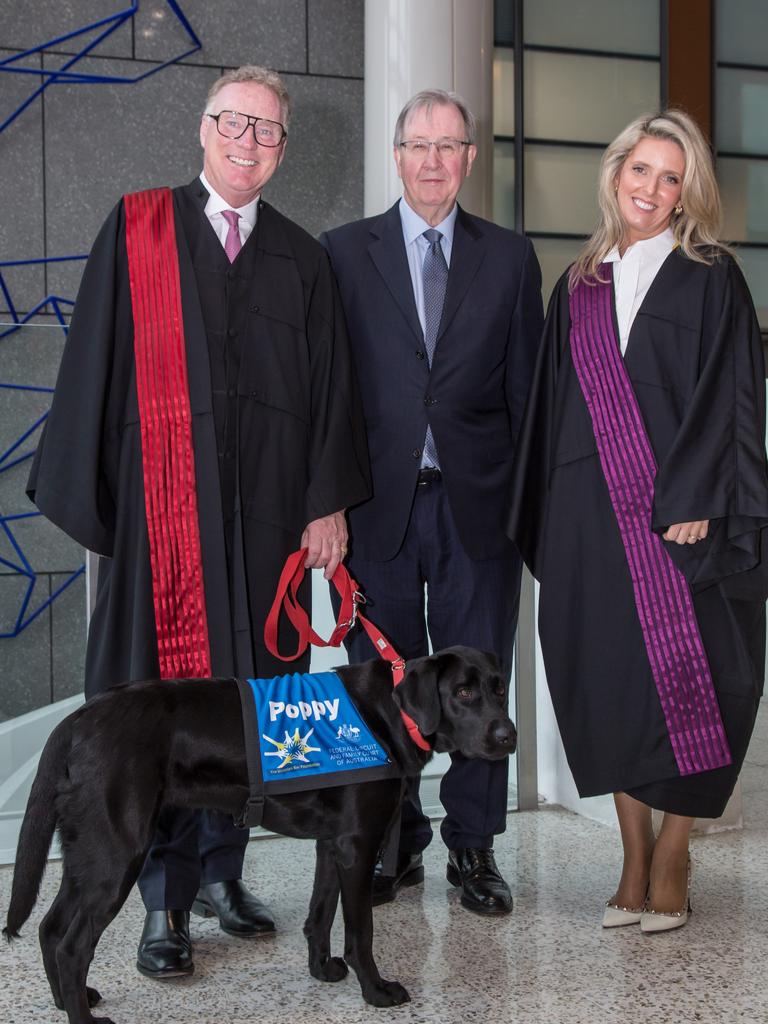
{"x":309,"y":727}
{"x":303,"y":731}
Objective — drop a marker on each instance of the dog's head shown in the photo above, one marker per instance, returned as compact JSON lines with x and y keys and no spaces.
{"x":458,"y":699}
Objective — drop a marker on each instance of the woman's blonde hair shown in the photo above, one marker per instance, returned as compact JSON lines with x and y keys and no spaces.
{"x":695,"y":229}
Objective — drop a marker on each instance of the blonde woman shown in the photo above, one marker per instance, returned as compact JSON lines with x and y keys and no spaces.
{"x":640,"y":498}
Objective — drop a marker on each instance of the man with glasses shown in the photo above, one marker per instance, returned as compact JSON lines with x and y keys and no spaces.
{"x":205,"y":424}
{"x":444,"y":314}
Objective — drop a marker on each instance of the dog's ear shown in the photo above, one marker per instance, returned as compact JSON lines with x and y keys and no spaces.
{"x":418,"y":693}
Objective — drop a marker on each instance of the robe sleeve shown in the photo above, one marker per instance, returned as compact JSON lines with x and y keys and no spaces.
{"x":67,"y":481}
{"x":339,"y":472}
{"x":530,"y":478}
{"x":716,"y":466}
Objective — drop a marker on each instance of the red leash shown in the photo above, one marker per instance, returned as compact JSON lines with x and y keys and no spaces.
{"x":286,"y":599}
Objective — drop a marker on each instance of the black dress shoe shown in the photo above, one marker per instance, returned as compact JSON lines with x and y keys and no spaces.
{"x":409,"y":871}
{"x":238,"y":911}
{"x":482,"y":887}
{"x":165,"y":950}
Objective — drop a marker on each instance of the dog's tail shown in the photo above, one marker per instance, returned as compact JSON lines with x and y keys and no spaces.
{"x":37,"y":829}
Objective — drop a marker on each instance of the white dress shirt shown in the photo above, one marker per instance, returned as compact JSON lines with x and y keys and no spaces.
{"x":216,"y":204}
{"x":633,"y":275}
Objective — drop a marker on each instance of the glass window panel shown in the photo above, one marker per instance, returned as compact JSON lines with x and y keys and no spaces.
{"x":741,"y":31}
{"x":504,"y":184}
{"x":503,"y":92}
{"x":555,"y":256}
{"x":754,"y":263}
{"x":628,"y":26}
{"x":744,"y":188}
{"x":742,"y":110}
{"x":587,"y":99}
{"x":504,"y":22}
{"x":561,"y":189}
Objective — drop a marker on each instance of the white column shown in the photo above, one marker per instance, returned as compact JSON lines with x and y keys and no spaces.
{"x":426,"y":44}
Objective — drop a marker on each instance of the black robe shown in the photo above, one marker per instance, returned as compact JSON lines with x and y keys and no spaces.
{"x":695,"y":361}
{"x":301,"y":453}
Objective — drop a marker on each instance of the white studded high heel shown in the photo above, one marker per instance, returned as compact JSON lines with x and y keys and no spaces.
{"x":664,"y":921}
{"x":615,"y":916}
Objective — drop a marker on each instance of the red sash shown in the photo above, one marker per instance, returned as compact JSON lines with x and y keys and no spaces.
{"x":170,"y":495}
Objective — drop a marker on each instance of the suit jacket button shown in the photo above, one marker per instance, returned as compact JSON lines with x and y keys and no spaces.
{"x":254,"y":309}
{"x":419,"y":354}
{"x":416,"y":453}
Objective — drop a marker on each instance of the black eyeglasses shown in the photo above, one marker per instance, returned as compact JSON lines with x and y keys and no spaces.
{"x":233,"y":125}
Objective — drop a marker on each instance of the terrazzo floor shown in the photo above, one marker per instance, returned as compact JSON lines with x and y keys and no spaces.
{"x":547,"y":963}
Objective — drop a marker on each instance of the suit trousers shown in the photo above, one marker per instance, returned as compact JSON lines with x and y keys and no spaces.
{"x":432,"y":591}
{"x":189,"y":849}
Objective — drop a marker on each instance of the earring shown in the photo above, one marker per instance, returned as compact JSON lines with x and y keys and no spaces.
{"x":678,"y":209}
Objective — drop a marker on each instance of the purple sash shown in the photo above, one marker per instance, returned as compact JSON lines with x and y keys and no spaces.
{"x":664,"y":605}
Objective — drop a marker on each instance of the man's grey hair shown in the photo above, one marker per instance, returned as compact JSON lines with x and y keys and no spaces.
{"x":261,"y":76}
{"x":429,"y":98}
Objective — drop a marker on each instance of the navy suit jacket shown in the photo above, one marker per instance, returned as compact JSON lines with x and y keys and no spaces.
{"x":474,"y":394}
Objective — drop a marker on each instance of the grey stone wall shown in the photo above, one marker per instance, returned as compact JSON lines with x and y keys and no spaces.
{"x":66,"y":161}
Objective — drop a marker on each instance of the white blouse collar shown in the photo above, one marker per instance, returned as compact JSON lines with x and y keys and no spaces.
{"x":656,"y":248}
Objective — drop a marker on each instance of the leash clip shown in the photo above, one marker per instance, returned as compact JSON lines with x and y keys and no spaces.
{"x":357,"y":598}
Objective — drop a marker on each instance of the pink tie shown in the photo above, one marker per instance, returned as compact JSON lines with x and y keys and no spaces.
{"x":232,"y":245}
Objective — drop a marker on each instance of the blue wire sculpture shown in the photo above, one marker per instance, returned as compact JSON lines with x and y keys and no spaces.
{"x":12,"y":456}
{"x":107,"y":25}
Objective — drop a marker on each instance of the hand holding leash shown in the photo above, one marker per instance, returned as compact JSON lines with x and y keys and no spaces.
{"x":286,"y":599}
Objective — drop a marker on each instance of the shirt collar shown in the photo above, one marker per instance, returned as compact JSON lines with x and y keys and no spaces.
{"x":414,"y":225}
{"x":648,"y":248}
{"x":216,"y":204}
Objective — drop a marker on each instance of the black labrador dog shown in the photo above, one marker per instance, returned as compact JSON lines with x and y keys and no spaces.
{"x":109,"y":767}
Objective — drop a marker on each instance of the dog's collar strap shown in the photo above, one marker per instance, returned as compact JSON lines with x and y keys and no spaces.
{"x":286,"y":599}
{"x":397,"y":664}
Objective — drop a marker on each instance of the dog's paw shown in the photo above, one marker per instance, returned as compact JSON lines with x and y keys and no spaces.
{"x":332,"y":969}
{"x":386,"y":993}
{"x":93,"y":996}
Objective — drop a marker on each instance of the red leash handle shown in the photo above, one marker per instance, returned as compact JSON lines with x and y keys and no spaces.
{"x":286,"y":598}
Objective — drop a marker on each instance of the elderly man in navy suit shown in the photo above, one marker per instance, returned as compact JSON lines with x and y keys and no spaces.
{"x":444,"y":315}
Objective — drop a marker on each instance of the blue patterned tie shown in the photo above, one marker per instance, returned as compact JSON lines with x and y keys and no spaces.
{"x":434,"y":278}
